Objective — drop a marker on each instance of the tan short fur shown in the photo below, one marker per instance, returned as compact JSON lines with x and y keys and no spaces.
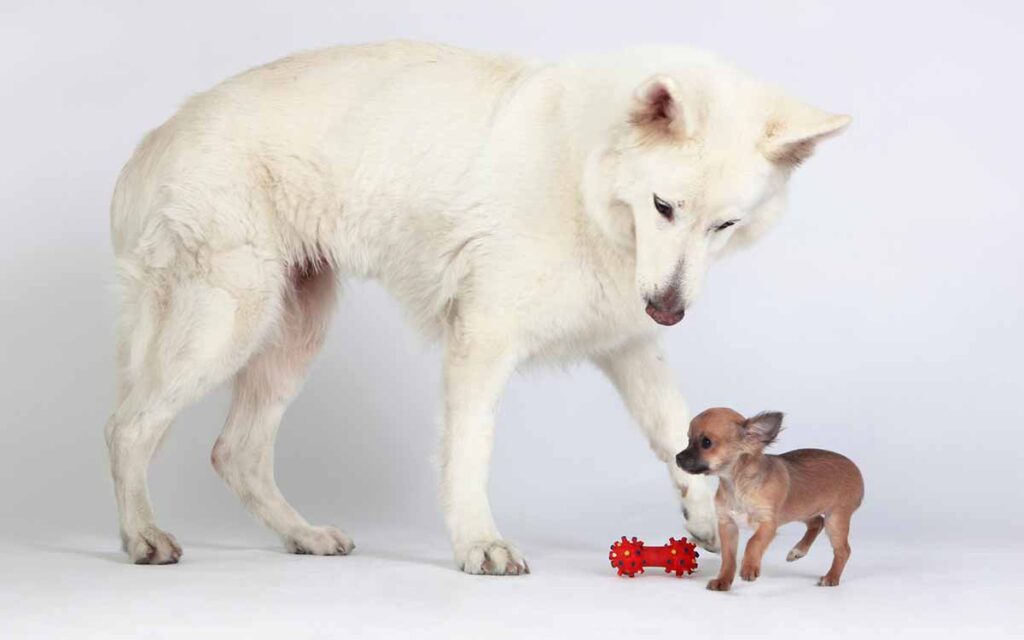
{"x":819,"y":488}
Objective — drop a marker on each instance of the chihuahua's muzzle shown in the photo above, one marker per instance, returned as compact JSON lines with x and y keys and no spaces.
{"x":689,"y":461}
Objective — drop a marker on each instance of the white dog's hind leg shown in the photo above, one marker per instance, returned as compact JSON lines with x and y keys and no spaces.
{"x":244,"y":452}
{"x":133,"y":435}
{"x":649,"y":389}
{"x":186,"y":340}
{"x":475,"y":374}
{"x":183,"y":331}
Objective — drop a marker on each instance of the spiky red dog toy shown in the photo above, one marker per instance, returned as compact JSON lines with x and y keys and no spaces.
{"x":631,"y":556}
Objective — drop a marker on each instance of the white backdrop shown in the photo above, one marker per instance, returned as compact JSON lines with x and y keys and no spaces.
{"x":884,"y":314}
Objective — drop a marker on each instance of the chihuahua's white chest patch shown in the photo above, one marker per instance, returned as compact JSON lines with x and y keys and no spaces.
{"x":742,"y":518}
{"x":744,"y":513}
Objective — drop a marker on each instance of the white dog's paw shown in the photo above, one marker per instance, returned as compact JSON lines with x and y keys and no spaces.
{"x":698,"y":507}
{"x":319,"y":541}
{"x":493,"y":558}
{"x":152,"y":546}
{"x":704,"y":535}
{"x":703,"y":528}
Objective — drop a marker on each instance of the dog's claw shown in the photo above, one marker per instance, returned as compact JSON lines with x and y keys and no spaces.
{"x":497,"y":558}
{"x":750,"y":573}
{"x":152,"y":546}
{"x":319,"y":541}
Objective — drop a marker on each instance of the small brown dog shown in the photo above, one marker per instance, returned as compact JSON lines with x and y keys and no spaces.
{"x":819,"y":488}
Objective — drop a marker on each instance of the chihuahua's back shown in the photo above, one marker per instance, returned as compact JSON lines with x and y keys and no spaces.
{"x":820,"y":482}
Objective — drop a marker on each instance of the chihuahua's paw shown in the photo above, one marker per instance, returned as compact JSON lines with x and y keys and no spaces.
{"x":828,"y":581}
{"x":795,"y":554}
{"x":750,"y":572}
{"x":719,"y":584}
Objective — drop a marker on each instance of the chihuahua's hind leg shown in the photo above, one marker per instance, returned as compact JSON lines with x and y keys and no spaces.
{"x":814,"y":527}
{"x":837,"y":525}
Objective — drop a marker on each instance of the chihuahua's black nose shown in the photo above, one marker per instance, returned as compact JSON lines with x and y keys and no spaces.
{"x":689,"y":462}
{"x":682,"y":458}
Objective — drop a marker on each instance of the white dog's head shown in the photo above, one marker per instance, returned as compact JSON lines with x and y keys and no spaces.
{"x":697,"y":164}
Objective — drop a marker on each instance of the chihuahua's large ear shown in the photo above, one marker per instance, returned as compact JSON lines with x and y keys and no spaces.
{"x":657,"y":107}
{"x":764,"y":427}
{"x":794,"y":131}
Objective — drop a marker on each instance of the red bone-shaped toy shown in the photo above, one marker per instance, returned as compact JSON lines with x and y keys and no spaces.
{"x":631,"y":556}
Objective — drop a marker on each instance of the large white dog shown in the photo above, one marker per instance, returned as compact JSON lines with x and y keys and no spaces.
{"x":521,"y":212}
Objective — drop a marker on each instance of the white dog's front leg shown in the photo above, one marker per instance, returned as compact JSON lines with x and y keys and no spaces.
{"x":698,"y":494}
{"x":475,"y":374}
{"x":648,"y":387}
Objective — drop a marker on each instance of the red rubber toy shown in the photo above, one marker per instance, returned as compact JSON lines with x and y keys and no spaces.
{"x":631,"y":556}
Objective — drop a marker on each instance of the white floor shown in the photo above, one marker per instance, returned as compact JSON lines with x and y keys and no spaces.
{"x":398,"y":585}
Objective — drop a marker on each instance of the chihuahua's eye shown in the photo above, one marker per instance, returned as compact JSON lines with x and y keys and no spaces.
{"x":725,"y":225}
{"x":663,"y":207}
{"x":705,"y":443}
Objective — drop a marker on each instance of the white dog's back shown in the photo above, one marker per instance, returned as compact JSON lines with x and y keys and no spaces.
{"x":355,"y":156}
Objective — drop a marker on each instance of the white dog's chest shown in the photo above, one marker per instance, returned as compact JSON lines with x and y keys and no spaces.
{"x":587,"y":326}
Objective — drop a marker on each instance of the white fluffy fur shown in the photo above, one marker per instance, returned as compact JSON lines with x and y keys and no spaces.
{"x":506,"y":204}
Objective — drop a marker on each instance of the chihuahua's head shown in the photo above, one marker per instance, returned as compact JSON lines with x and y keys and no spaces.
{"x":718,"y":437}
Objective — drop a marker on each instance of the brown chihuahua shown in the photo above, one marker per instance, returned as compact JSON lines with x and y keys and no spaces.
{"x":819,"y":488}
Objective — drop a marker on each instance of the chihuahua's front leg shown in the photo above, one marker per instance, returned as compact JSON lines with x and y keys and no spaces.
{"x":729,"y":535}
{"x":756,"y":547}
{"x":649,"y":389}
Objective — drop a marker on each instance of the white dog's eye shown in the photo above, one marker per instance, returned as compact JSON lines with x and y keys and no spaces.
{"x":725,"y":225}
{"x":663,"y":207}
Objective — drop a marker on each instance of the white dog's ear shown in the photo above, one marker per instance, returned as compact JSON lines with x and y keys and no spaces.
{"x":657,"y":107}
{"x":790,"y":138}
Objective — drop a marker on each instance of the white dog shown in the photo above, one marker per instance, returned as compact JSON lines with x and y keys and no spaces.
{"x":519,"y":211}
